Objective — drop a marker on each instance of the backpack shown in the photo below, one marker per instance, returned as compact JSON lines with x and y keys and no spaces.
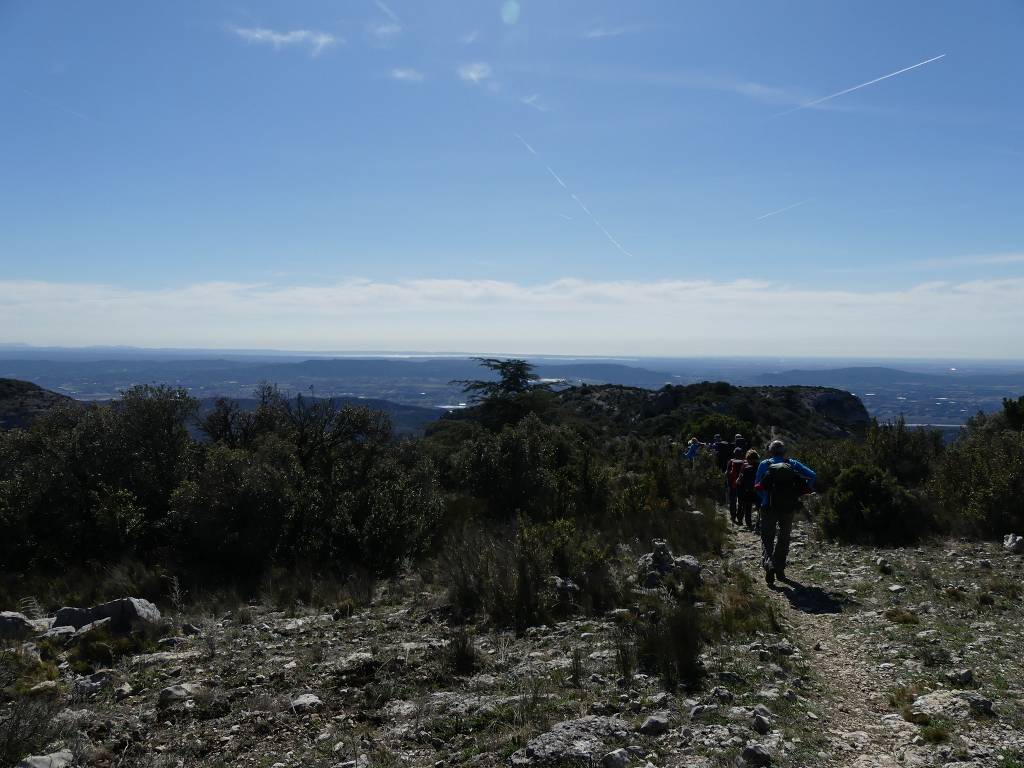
{"x":745,"y":481}
{"x":735,"y":468}
{"x":785,"y":486}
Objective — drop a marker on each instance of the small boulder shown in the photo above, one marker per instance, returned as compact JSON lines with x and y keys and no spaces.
{"x":655,"y":724}
{"x":961,"y":676}
{"x":173,"y":694}
{"x":307,"y":702}
{"x":60,"y":759}
{"x":756,"y":754}
{"x":619,"y":758}
{"x":940,"y":703}
{"x":761,"y":724}
{"x":15,"y":626}
{"x":126,"y":614}
{"x":1013,"y":544}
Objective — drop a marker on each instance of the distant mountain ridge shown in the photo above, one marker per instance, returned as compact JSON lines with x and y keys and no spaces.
{"x":870,"y":376}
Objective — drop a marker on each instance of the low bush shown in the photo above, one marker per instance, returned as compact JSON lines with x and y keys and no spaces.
{"x":868,"y":506}
{"x":980,"y":481}
{"x":669,"y":644}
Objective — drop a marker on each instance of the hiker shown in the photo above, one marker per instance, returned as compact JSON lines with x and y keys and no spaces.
{"x":781,"y":482}
{"x":723,"y":452}
{"x":740,"y":442}
{"x":746,"y":495}
{"x":732,"y":475}
{"x":692,"y":449}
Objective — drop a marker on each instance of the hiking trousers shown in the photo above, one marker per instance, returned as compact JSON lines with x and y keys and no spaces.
{"x":744,"y":509}
{"x":775,"y":549}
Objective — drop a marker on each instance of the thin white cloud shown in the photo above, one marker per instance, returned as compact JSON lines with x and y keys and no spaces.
{"x":533,"y":101}
{"x":475,"y":72}
{"x":407,"y":75}
{"x":602,"y":32}
{"x":470,"y":37}
{"x":974,"y":260}
{"x":316,"y":41}
{"x":385,"y":32}
{"x":977,"y":318}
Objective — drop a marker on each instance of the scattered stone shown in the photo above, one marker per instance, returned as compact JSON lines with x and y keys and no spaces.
{"x":45,"y":687}
{"x":618,"y":758}
{"x":1013,"y":544}
{"x":307,"y":702}
{"x":756,"y":754}
{"x":961,"y":676}
{"x":654,"y":566}
{"x":897,"y":588}
{"x":761,"y":724}
{"x":656,"y":724}
{"x":95,"y":682}
{"x":60,"y":759}
{"x":173,"y":694}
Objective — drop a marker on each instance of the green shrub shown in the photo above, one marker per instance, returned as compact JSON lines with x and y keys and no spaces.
{"x":980,"y":482}
{"x":866,"y":505}
{"x":669,"y":644}
{"x":705,"y":427}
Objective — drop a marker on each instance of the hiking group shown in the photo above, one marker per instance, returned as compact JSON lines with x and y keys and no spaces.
{"x":773,"y":485}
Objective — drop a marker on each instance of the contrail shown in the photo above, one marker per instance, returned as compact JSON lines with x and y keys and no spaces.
{"x":783,"y":210}
{"x":525,"y":144}
{"x":559,"y":180}
{"x":61,"y":107}
{"x":578,"y":202}
{"x":862,"y":85}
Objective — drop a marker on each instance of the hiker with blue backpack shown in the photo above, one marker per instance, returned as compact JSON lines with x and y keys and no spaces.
{"x":781,"y":482}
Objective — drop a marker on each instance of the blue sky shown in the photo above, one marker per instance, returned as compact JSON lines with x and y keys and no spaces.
{"x":400,"y":175}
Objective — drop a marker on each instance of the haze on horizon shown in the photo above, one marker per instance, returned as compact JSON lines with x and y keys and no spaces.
{"x":598,"y":178}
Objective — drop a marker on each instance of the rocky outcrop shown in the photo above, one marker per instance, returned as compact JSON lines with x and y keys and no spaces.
{"x":655,"y":566}
{"x":126,"y":614}
{"x":582,"y":741}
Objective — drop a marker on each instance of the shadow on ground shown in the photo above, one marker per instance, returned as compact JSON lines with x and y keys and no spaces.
{"x":808,"y":599}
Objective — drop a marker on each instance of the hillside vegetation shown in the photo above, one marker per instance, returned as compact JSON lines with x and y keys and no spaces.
{"x":22,"y":402}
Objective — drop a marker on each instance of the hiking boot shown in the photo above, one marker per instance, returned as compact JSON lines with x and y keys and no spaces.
{"x":769,"y":576}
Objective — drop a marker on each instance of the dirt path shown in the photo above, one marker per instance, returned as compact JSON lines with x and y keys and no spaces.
{"x":851,"y":695}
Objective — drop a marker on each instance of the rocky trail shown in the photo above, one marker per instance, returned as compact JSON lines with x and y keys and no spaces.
{"x":895,"y":688}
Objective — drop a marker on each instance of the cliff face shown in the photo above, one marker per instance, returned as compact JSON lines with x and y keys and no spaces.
{"x":797,"y":412}
{"x":21,"y":402}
